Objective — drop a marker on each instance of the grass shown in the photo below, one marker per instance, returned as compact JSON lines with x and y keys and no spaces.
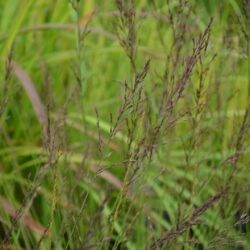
{"x":124,"y":125}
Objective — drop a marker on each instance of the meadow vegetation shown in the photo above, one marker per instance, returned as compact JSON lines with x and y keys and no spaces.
{"x":124,"y":124}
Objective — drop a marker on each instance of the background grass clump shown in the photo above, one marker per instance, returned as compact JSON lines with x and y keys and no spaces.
{"x":124,"y":124}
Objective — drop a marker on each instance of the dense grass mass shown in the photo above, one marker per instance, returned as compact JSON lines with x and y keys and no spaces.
{"x":124,"y":124}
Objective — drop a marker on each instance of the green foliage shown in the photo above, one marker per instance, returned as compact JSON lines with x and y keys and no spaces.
{"x":124,"y":124}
